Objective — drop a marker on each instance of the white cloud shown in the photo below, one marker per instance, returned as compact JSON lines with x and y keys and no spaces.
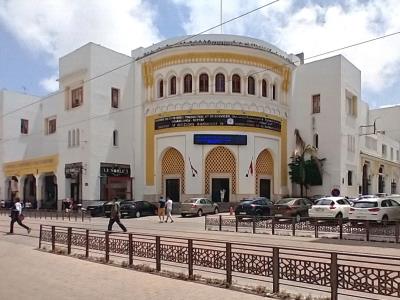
{"x":314,"y":29}
{"x":58,"y":27}
{"x":50,"y":84}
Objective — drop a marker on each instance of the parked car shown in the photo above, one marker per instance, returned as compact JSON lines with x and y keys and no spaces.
{"x":199,"y":207}
{"x":292,"y":207}
{"x":259,"y":206}
{"x":330,"y":207}
{"x":96,"y":209}
{"x":314,"y":199}
{"x":138,"y":209}
{"x":108,"y":205}
{"x":381,"y":210}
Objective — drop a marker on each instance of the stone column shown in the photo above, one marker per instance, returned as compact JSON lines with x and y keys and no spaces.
{"x":39,"y":194}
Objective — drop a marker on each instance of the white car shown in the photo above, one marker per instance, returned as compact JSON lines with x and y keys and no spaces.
{"x":330,"y":207}
{"x":381,"y":210}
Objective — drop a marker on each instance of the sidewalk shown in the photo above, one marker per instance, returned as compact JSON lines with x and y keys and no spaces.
{"x":34,"y":275}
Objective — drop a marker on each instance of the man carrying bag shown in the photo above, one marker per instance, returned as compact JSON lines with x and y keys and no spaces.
{"x":115,"y":216}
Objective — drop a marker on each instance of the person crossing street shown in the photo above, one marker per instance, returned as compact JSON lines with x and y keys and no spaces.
{"x":115,"y":216}
{"x":17,"y":216}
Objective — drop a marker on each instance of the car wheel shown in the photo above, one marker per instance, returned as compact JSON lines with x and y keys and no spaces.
{"x":137,"y":214}
{"x":216,"y":211}
{"x":259,"y":213}
{"x":183,"y":215}
{"x":199,"y":213}
{"x":298,"y":218}
{"x":385,"y":220}
{"x":339,"y":216}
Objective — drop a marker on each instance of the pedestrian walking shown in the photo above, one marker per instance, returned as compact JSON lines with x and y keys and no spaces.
{"x":169,"y":210}
{"x":161,"y":209}
{"x":17,"y":216}
{"x":115,"y":216}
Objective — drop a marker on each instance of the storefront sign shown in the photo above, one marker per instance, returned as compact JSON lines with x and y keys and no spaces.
{"x":217,"y":120}
{"x":73,"y":170}
{"x":219,"y":139}
{"x":115,"y":170}
{"x":35,"y":166}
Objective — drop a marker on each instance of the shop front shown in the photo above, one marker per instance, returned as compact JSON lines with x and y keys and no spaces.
{"x":115,"y":181}
{"x":73,"y":186}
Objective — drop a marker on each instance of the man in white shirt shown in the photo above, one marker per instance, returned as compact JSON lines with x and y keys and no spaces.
{"x":16,"y":216}
{"x":169,"y":210}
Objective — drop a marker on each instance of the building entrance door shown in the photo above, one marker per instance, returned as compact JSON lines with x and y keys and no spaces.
{"x":172,"y":188}
{"x":265,"y":188}
{"x":220,"y":190}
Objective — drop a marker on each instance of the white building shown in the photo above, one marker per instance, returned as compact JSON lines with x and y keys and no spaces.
{"x":209,"y":116}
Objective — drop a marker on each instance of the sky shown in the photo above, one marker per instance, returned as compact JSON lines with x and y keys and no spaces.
{"x":34,"y":34}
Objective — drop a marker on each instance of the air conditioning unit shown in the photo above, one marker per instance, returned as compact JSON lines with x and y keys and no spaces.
{"x":313,"y":122}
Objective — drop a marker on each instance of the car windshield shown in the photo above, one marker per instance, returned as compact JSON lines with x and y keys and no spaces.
{"x":365,"y":204}
{"x":325,"y":202}
{"x":285,"y":201}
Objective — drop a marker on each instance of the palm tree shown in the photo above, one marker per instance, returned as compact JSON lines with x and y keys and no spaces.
{"x":305,"y":168}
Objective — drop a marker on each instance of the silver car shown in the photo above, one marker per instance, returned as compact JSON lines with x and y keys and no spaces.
{"x":199,"y":207}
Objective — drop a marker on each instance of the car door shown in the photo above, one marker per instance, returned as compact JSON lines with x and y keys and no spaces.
{"x":210,"y":206}
{"x":203,"y":205}
{"x":396,"y":210}
{"x":344,"y":207}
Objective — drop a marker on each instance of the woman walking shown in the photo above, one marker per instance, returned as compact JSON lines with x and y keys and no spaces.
{"x":17,"y":216}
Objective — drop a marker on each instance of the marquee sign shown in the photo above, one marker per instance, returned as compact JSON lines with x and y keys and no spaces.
{"x":217,"y":120}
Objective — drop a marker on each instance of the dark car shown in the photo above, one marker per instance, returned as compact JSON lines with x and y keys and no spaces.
{"x":292,"y":207}
{"x":138,"y":209}
{"x":259,"y":206}
{"x":96,"y":209}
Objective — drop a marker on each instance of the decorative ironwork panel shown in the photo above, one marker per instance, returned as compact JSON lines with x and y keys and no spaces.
{"x":228,"y":222}
{"x":97,"y":243}
{"x":369,"y":280}
{"x":283,"y":226}
{"x":46,"y":236}
{"x":144,"y":249}
{"x":354,"y":229}
{"x":119,"y":246}
{"x":174,"y":253}
{"x":378,"y":229}
{"x":312,"y":272}
{"x":209,"y":258}
{"x":244,"y":223}
{"x":61,"y":238}
{"x":306,"y":226}
{"x":212,"y":221}
{"x":78,"y":239}
{"x":252,"y":264}
{"x":328,"y":228}
{"x":262,"y":223}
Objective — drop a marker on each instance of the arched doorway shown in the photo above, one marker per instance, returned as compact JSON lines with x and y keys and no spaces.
{"x":220,"y":174}
{"x":29,"y":192}
{"x":264,"y":174}
{"x":173,"y":174}
{"x":365,"y":181}
{"x":381,"y":180}
{"x":49,"y":188}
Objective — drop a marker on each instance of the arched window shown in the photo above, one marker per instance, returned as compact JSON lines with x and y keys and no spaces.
{"x":274,"y":92}
{"x":264,"y":88}
{"x":161,"y":89}
{"x":203,"y":82}
{"x":316,"y":140}
{"x":236,"y":83}
{"x":251,"y":86}
{"x":220,"y":83}
{"x":187,"y":83}
{"x":115,"y":138}
{"x":172,"y":85}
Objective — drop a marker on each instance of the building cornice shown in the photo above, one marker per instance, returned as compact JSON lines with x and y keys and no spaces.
{"x":377,"y":158}
{"x":149,"y":67}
